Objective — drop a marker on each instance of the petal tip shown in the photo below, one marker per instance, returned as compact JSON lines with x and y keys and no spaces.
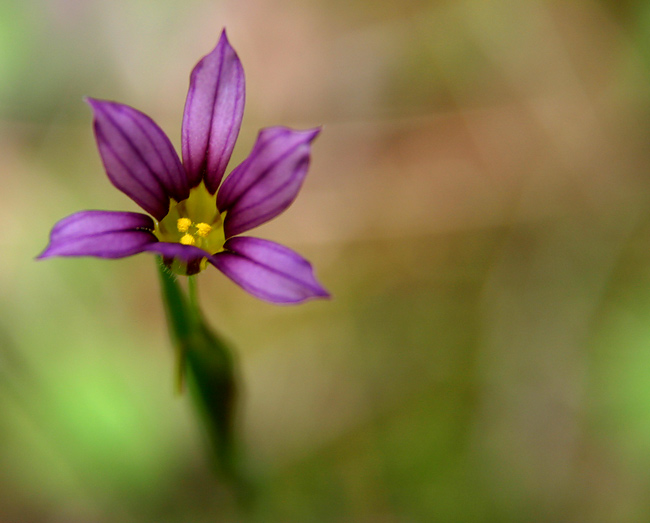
{"x":97,"y":105}
{"x":320,"y":294}
{"x":93,"y":102}
{"x":47,"y":253}
{"x":222,"y":42}
{"x":313,"y":133}
{"x":324,"y":295}
{"x":316,"y":296}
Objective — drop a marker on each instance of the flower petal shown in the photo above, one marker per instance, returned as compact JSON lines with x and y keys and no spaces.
{"x":268,"y":181}
{"x":213,"y":113}
{"x":185,"y":253}
{"x":268,"y":270}
{"x":138,"y":157}
{"x":184,"y":258}
{"x":104,"y":234}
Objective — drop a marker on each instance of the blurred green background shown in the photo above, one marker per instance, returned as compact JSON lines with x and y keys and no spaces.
{"x":477,"y":204}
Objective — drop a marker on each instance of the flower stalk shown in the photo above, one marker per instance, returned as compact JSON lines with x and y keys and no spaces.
{"x":206,"y":364}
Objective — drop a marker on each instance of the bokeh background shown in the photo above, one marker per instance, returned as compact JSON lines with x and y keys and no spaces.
{"x":478,"y":204}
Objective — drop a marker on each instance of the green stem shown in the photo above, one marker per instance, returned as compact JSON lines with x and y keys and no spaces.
{"x":194,"y":298}
{"x":205,"y":364}
{"x":177,"y":321}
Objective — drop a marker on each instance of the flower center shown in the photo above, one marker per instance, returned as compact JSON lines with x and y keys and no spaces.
{"x":195,"y":221}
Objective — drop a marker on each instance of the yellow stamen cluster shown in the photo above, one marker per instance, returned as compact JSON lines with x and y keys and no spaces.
{"x":185,"y":224}
{"x":203,"y":229}
{"x":188,"y":239}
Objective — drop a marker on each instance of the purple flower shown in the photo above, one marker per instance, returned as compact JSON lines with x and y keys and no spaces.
{"x":196,"y":218}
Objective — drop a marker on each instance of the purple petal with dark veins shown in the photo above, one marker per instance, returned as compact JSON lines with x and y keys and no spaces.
{"x":269,"y":271}
{"x":104,"y":234}
{"x":268,"y":181}
{"x":213,"y":114}
{"x":186,"y":253}
{"x":138,"y":157}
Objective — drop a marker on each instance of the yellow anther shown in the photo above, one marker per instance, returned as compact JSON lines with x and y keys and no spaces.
{"x":203,"y":229}
{"x":183,"y":225}
{"x":187,"y":239}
